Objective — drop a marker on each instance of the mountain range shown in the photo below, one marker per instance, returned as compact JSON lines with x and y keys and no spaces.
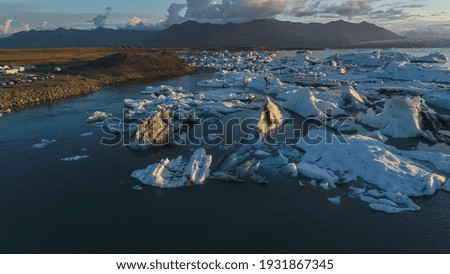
{"x":261,"y":33}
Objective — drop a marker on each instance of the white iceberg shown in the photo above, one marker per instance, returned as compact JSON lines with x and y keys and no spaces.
{"x":305,"y":104}
{"x":399,"y":119}
{"x":370,"y":160}
{"x":178,"y":172}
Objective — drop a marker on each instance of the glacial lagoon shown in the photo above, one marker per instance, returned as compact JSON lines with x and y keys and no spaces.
{"x":76,"y":195}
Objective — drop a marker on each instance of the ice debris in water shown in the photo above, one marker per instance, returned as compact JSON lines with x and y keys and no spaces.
{"x":177,"y":172}
{"x":335,"y":200}
{"x":43,"y":143}
{"x":99,"y":116}
{"x":87,"y":134}
{"x":75,"y":158}
{"x":372,"y":161}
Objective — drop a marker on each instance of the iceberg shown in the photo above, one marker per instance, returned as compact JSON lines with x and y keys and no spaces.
{"x":305,"y":104}
{"x":271,"y":116}
{"x":99,"y":116}
{"x":315,"y":172}
{"x":153,"y":131}
{"x":353,"y":99}
{"x":370,"y":160}
{"x":177,"y":172}
{"x":403,"y":117}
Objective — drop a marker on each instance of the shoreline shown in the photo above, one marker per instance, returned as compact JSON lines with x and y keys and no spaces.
{"x":117,"y":66}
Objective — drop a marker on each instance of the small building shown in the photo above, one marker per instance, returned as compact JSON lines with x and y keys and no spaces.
{"x":10,"y":71}
{"x":19,"y":68}
{"x":3,"y":67}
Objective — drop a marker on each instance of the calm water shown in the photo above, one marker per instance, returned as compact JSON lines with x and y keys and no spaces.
{"x":51,"y":206}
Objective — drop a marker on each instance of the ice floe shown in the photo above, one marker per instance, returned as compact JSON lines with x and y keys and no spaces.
{"x":370,"y":160}
{"x":43,"y":143}
{"x":87,"y":134}
{"x":177,"y":172}
{"x":335,"y":200}
{"x":99,"y":116}
{"x":403,"y":117}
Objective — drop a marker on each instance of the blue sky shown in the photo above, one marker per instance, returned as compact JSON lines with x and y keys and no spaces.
{"x":397,"y":15}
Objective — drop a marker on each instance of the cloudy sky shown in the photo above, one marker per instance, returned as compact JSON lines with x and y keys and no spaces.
{"x":396,"y":15}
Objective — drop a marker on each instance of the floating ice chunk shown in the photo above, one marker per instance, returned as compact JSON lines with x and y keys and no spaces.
{"x":439,"y":161}
{"x":446,"y":186}
{"x":225,"y":95}
{"x":99,"y":116}
{"x":235,"y":158}
{"x":300,"y":183}
{"x":271,"y":117}
{"x":434,"y":57}
{"x":266,"y":84}
{"x":75,"y":158}
{"x":43,"y":143}
{"x":160,"y":90}
{"x":153,"y":131}
{"x":87,"y":134}
{"x":335,"y":200}
{"x":137,"y":188}
{"x":376,"y":135}
{"x":247,"y":169}
{"x":177,"y":172}
{"x":315,"y":172}
{"x":313,"y":183}
{"x":395,"y":203}
{"x":372,"y":161}
{"x":198,"y":167}
{"x":438,"y":98}
{"x":399,"y":119}
{"x":327,"y":186}
{"x":225,"y":177}
{"x":386,"y":208}
{"x":261,"y":153}
{"x":409,"y":72}
{"x":291,"y":170}
{"x":353,"y":99}
{"x":356,"y":192}
{"x":403,"y":117}
{"x":305,"y":104}
{"x":376,"y":193}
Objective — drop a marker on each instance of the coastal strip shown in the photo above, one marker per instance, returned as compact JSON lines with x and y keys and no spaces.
{"x":81,"y":71}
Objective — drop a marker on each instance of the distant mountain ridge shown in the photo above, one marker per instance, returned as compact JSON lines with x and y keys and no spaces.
{"x":258,"y":33}
{"x":75,"y":38}
{"x":268,"y":33}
